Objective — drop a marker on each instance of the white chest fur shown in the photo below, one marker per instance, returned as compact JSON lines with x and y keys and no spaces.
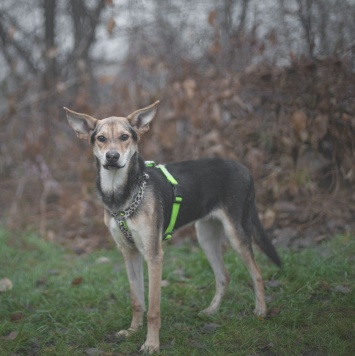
{"x":121,"y":240}
{"x":111,"y":180}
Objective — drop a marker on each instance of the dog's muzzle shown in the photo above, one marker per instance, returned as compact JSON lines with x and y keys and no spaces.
{"x":112,"y":158}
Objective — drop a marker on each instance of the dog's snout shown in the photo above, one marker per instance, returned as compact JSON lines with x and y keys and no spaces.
{"x":112,"y":156}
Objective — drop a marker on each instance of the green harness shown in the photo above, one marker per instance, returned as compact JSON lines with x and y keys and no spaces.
{"x":177,"y":199}
{"x":120,"y":217}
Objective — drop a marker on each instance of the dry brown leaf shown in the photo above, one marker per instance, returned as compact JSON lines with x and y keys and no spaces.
{"x":274,"y":311}
{"x":189,"y":86}
{"x":255,"y":159}
{"x":299,"y":124}
{"x":212,"y":17}
{"x":16,"y":317}
{"x":11,"y":336}
{"x":319,"y":129}
{"x":268,"y":218}
{"x":110,"y":26}
{"x":5,"y":284}
{"x":77,"y":281}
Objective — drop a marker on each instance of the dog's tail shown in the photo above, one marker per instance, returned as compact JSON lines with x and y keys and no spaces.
{"x":261,"y":238}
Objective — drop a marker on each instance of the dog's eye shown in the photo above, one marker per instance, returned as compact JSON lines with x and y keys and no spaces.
{"x":101,"y":138}
{"x":124,"y":137}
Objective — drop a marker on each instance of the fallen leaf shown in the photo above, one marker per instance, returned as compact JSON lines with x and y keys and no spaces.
{"x":103,"y":259}
{"x":319,"y":129}
{"x":77,"y":281}
{"x":268,"y":219}
{"x":11,"y":336}
{"x":16,"y":317}
{"x":164,"y":283}
{"x":274,"y":311}
{"x":111,"y":25}
{"x":189,"y":86}
{"x":342,"y":289}
{"x":299,"y":124}
{"x":93,"y":351}
{"x":41,"y":282}
{"x":5,"y":284}
{"x":212,"y":17}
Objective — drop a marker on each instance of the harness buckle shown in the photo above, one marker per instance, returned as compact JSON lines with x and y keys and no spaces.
{"x":149,"y":163}
{"x":167,"y":236}
{"x":178,"y":199}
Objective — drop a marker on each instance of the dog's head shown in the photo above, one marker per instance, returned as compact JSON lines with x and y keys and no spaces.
{"x":114,"y":139}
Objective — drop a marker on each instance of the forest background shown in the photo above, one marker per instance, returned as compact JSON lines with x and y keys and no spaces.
{"x":270,"y":84}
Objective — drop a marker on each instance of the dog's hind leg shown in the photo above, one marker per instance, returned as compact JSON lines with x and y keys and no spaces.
{"x":134,"y":266}
{"x":210,"y":237}
{"x":240,"y":240}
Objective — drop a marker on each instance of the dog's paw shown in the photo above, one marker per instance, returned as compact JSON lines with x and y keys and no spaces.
{"x":150,"y":348}
{"x":260,"y":312}
{"x":123,"y":334}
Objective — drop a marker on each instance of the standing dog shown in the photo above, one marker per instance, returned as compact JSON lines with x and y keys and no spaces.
{"x":218,"y":195}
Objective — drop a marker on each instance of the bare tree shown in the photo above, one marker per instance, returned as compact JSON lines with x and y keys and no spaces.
{"x":85,"y":21}
{"x":15,"y":47}
{"x":22,"y":41}
{"x":50,"y":73}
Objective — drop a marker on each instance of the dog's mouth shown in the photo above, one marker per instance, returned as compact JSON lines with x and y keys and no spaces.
{"x":110,"y":167}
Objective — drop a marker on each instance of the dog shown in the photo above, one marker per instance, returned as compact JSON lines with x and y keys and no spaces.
{"x":215,"y":194}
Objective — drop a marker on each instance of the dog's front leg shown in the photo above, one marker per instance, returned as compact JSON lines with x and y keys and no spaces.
{"x":134,"y":266}
{"x":154,"y":263}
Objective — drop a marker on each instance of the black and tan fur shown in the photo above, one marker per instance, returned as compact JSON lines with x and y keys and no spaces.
{"x":218,"y":196}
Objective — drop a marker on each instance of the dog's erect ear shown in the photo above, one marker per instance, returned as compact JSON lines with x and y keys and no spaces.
{"x":141,"y":118}
{"x":82,"y":124}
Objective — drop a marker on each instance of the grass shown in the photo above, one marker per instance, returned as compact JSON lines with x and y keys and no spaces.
{"x":62,"y":304}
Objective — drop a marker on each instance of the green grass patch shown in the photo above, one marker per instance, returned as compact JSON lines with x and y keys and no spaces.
{"x":63,"y":304}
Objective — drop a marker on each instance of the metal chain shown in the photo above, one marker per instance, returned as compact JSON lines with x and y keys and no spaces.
{"x":121,"y":217}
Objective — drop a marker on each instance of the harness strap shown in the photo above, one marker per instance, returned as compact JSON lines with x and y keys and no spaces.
{"x":177,"y":199}
{"x":167,"y":174}
{"x":174,"y":215}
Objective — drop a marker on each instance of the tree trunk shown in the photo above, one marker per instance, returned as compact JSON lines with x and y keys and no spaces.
{"x":50,"y":74}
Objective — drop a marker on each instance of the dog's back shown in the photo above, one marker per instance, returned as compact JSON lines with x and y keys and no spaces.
{"x":209,"y":184}
{"x":212,"y":184}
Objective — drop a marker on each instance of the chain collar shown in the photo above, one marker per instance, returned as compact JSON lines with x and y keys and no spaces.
{"x":121,"y":217}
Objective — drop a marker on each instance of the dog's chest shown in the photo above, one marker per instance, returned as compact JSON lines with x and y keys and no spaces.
{"x":121,"y":240}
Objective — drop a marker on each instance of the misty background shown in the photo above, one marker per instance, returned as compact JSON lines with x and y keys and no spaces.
{"x":270,"y":84}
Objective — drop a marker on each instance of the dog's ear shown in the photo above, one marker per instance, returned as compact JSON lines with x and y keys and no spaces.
{"x":141,"y":118}
{"x":83,"y":125}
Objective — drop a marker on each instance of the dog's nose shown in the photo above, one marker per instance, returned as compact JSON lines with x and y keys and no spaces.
{"x":112,"y":156}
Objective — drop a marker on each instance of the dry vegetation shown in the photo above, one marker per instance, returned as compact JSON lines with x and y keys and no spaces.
{"x":293,"y":126}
